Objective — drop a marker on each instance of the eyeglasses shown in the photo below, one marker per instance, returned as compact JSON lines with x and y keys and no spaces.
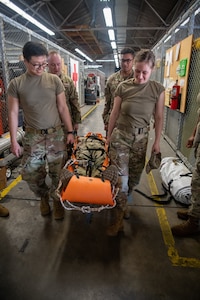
{"x":38,"y":66}
{"x":128,"y":60}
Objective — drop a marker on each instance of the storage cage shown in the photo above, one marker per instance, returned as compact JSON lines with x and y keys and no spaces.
{"x":179,"y":125}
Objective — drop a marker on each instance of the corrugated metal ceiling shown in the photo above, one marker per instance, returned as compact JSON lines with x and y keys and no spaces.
{"x":80,"y":23}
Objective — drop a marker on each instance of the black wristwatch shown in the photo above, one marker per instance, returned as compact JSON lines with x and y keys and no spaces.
{"x":70,"y":132}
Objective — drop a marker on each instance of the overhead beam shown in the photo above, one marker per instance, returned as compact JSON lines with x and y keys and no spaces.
{"x":115,"y":28}
{"x":71,"y":13}
{"x":156,"y":13}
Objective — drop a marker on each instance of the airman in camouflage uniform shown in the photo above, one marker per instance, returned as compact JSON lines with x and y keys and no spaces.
{"x":136,"y":100}
{"x":55,"y":65}
{"x":191,"y":226}
{"x":126,"y":72}
{"x":41,"y":96}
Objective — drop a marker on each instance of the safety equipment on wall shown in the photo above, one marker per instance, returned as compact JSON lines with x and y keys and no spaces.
{"x":183,"y":67}
{"x":2,"y":90}
{"x":175,"y":96}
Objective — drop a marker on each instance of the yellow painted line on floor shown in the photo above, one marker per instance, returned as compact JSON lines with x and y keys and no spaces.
{"x":167,"y":234}
{"x":5,"y":191}
{"x":89,"y":112}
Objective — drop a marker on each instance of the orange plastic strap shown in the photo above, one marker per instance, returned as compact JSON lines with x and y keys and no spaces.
{"x":98,"y":135}
{"x":106,"y":162}
{"x":88,"y":190}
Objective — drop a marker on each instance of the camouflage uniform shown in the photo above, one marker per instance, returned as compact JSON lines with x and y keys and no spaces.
{"x":39,"y":149}
{"x":72,"y":99}
{"x":195,"y":185}
{"x":111,"y":86}
{"x":128,"y":142}
{"x":40,"y":112}
{"x":127,"y":152}
{"x":73,"y":105}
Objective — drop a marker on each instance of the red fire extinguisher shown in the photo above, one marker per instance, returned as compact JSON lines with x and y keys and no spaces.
{"x":175,"y":96}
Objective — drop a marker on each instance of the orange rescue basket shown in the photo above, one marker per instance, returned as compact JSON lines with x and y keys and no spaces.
{"x":85,"y":193}
{"x":88,"y":194}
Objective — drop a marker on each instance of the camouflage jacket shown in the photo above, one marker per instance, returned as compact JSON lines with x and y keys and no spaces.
{"x":197,"y":134}
{"x":110,"y":88}
{"x":72,"y":98}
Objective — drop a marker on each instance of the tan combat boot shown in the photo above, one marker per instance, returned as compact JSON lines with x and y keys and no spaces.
{"x":117,"y":225}
{"x":4,"y":212}
{"x":188,"y":228}
{"x":44,"y":205}
{"x":183,"y":214}
{"x":58,"y":210}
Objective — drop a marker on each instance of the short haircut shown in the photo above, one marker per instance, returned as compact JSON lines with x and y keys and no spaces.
{"x":34,"y":49}
{"x":145,"y":55}
{"x":53,"y":52}
{"x":127,"y":50}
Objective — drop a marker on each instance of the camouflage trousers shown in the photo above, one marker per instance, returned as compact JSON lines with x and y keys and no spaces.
{"x":128,"y":151}
{"x":43,"y":154}
{"x":195,"y":187}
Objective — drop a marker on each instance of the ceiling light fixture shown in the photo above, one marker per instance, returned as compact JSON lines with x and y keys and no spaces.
{"x":116,"y":58}
{"x":93,"y":66}
{"x":185,"y":22}
{"x":117,"y":63}
{"x":113,"y":45}
{"x":104,"y":60}
{"x":167,"y":39}
{"x":197,"y":12}
{"x":83,"y":54}
{"x":111,"y":34}
{"x":108,"y":16}
{"x":109,"y":23}
{"x":26,"y":16}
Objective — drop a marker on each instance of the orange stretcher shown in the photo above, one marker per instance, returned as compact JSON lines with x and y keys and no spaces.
{"x":86,"y":193}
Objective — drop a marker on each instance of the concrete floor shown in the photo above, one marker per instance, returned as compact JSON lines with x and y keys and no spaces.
{"x":41,"y":258}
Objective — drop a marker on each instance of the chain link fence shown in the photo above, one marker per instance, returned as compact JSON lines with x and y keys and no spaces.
{"x":178,"y":126}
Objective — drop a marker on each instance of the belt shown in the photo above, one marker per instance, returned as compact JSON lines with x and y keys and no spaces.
{"x":43,"y":131}
{"x":133,"y":130}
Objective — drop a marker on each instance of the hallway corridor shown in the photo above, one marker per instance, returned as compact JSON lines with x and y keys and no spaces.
{"x":73,"y":259}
